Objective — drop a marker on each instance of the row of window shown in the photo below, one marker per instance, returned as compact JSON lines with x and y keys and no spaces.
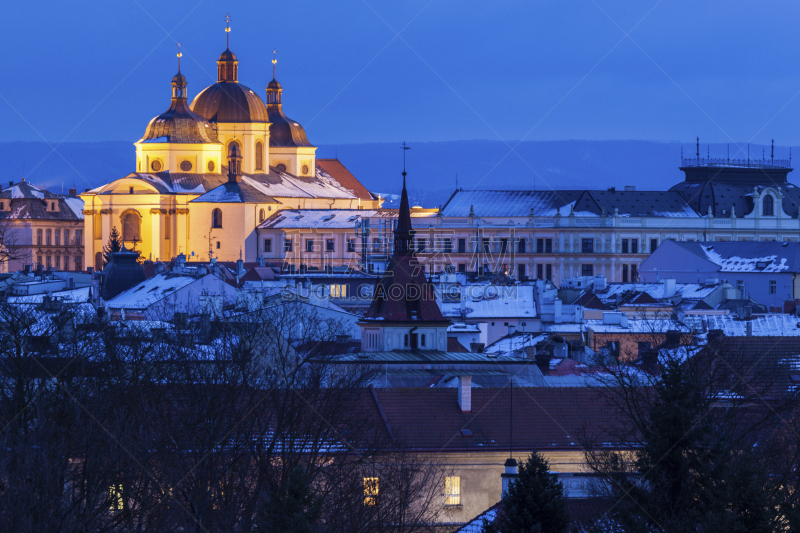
{"x":452,"y":490}
{"x":49,"y":237}
{"x":51,"y":261}
{"x":543,"y":246}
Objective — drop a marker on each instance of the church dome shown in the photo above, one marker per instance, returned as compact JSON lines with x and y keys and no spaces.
{"x":229,"y":102}
{"x":179,"y":124}
{"x":227,"y":55}
{"x":283,"y":131}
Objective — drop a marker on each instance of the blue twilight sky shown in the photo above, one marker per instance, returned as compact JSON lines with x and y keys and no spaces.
{"x":468,"y":69}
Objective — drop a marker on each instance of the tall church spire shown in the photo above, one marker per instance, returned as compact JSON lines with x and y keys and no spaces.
{"x":404,"y":233}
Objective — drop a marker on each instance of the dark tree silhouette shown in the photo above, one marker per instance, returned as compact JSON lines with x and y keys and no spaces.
{"x":114,"y":245}
{"x":534,"y":502}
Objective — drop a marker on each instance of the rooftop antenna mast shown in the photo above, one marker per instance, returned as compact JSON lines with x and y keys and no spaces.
{"x":228,"y":31}
{"x":772,"y":152}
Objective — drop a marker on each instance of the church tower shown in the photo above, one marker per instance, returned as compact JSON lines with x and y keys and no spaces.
{"x":289,"y":149}
{"x":237,"y":113}
{"x":404,"y":314}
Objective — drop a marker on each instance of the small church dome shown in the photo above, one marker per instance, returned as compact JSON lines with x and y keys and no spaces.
{"x":179,"y":124}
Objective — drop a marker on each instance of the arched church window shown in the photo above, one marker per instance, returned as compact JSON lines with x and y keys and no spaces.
{"x":216,"y":218}
{"x":281,"y":167}
{"x":262,"y":216}
{"x":259,"y":156}
{"x":131,"y":223}
{"x":768,"y":206}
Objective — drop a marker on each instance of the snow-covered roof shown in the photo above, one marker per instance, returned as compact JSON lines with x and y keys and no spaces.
{"x":686,"y":291}
{"x":333,"y":218}
{"x":771,"y":325}
{"x":150,"y":291}
{"x":518,"y":341}
{"x":491,"y":301}
{"x":653,"y":325}
{"x":508,"y":203}
{"x":581,"y":203}
{"x":748,"y":256}
{"x":67,"y":296}
{"x":274,"y":183}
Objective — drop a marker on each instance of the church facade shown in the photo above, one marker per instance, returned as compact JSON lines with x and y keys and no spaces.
{"x":208,"y":173}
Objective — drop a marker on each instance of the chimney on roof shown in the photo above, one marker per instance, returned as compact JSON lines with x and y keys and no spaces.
{"x":511,"y":474}
{"x":465,"y":393}
{"x":749,"y":328}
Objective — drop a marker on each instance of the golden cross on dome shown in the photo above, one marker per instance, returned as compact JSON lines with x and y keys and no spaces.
{"x":227,"y":30}
{"x":274,"y":60}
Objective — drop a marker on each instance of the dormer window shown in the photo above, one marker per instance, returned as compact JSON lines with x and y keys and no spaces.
{"x":768,"y":206}
{"x":130,"y":190}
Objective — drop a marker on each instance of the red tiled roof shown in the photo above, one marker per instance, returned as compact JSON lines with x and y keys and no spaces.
{"x":454,"y":346}
{"x":543,"y":418}
{"x":402,"y":290}
{"x":590,"y":300}
{"x":339,"y":172}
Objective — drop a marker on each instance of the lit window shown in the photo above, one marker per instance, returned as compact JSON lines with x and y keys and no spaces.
{"x":452,"y":490}
{"x":338,"y":291}
{"x":370,"y":491}
{"x":115,"y":495}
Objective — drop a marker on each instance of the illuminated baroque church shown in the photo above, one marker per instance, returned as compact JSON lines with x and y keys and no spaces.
{"x":208,"y":173}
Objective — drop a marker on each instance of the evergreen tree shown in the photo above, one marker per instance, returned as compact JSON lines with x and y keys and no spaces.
{"x":114,"y":245}
{"x":534,"y":502}
{"x":291,"y":508}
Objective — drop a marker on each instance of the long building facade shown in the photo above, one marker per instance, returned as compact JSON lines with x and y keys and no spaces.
{"x":557,"y":235}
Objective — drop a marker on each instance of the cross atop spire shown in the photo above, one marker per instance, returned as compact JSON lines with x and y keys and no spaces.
{"x":404,"y":234}
{"x":227,"y":30}
{"x":274,"y":61}
{"x":180,"y":54}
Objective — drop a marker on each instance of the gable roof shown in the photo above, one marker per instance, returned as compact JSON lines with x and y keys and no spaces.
{"x":335,"y":169}
{"x":508,"y":203}
{"x":274,"y":183}
{"x":544,"y":418}
{"x":30,"y":202}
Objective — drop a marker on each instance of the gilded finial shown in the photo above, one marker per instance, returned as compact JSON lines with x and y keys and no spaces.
{"x":180,"y":54}
{"x":274,"y":60}
{"x":227,"y":31}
